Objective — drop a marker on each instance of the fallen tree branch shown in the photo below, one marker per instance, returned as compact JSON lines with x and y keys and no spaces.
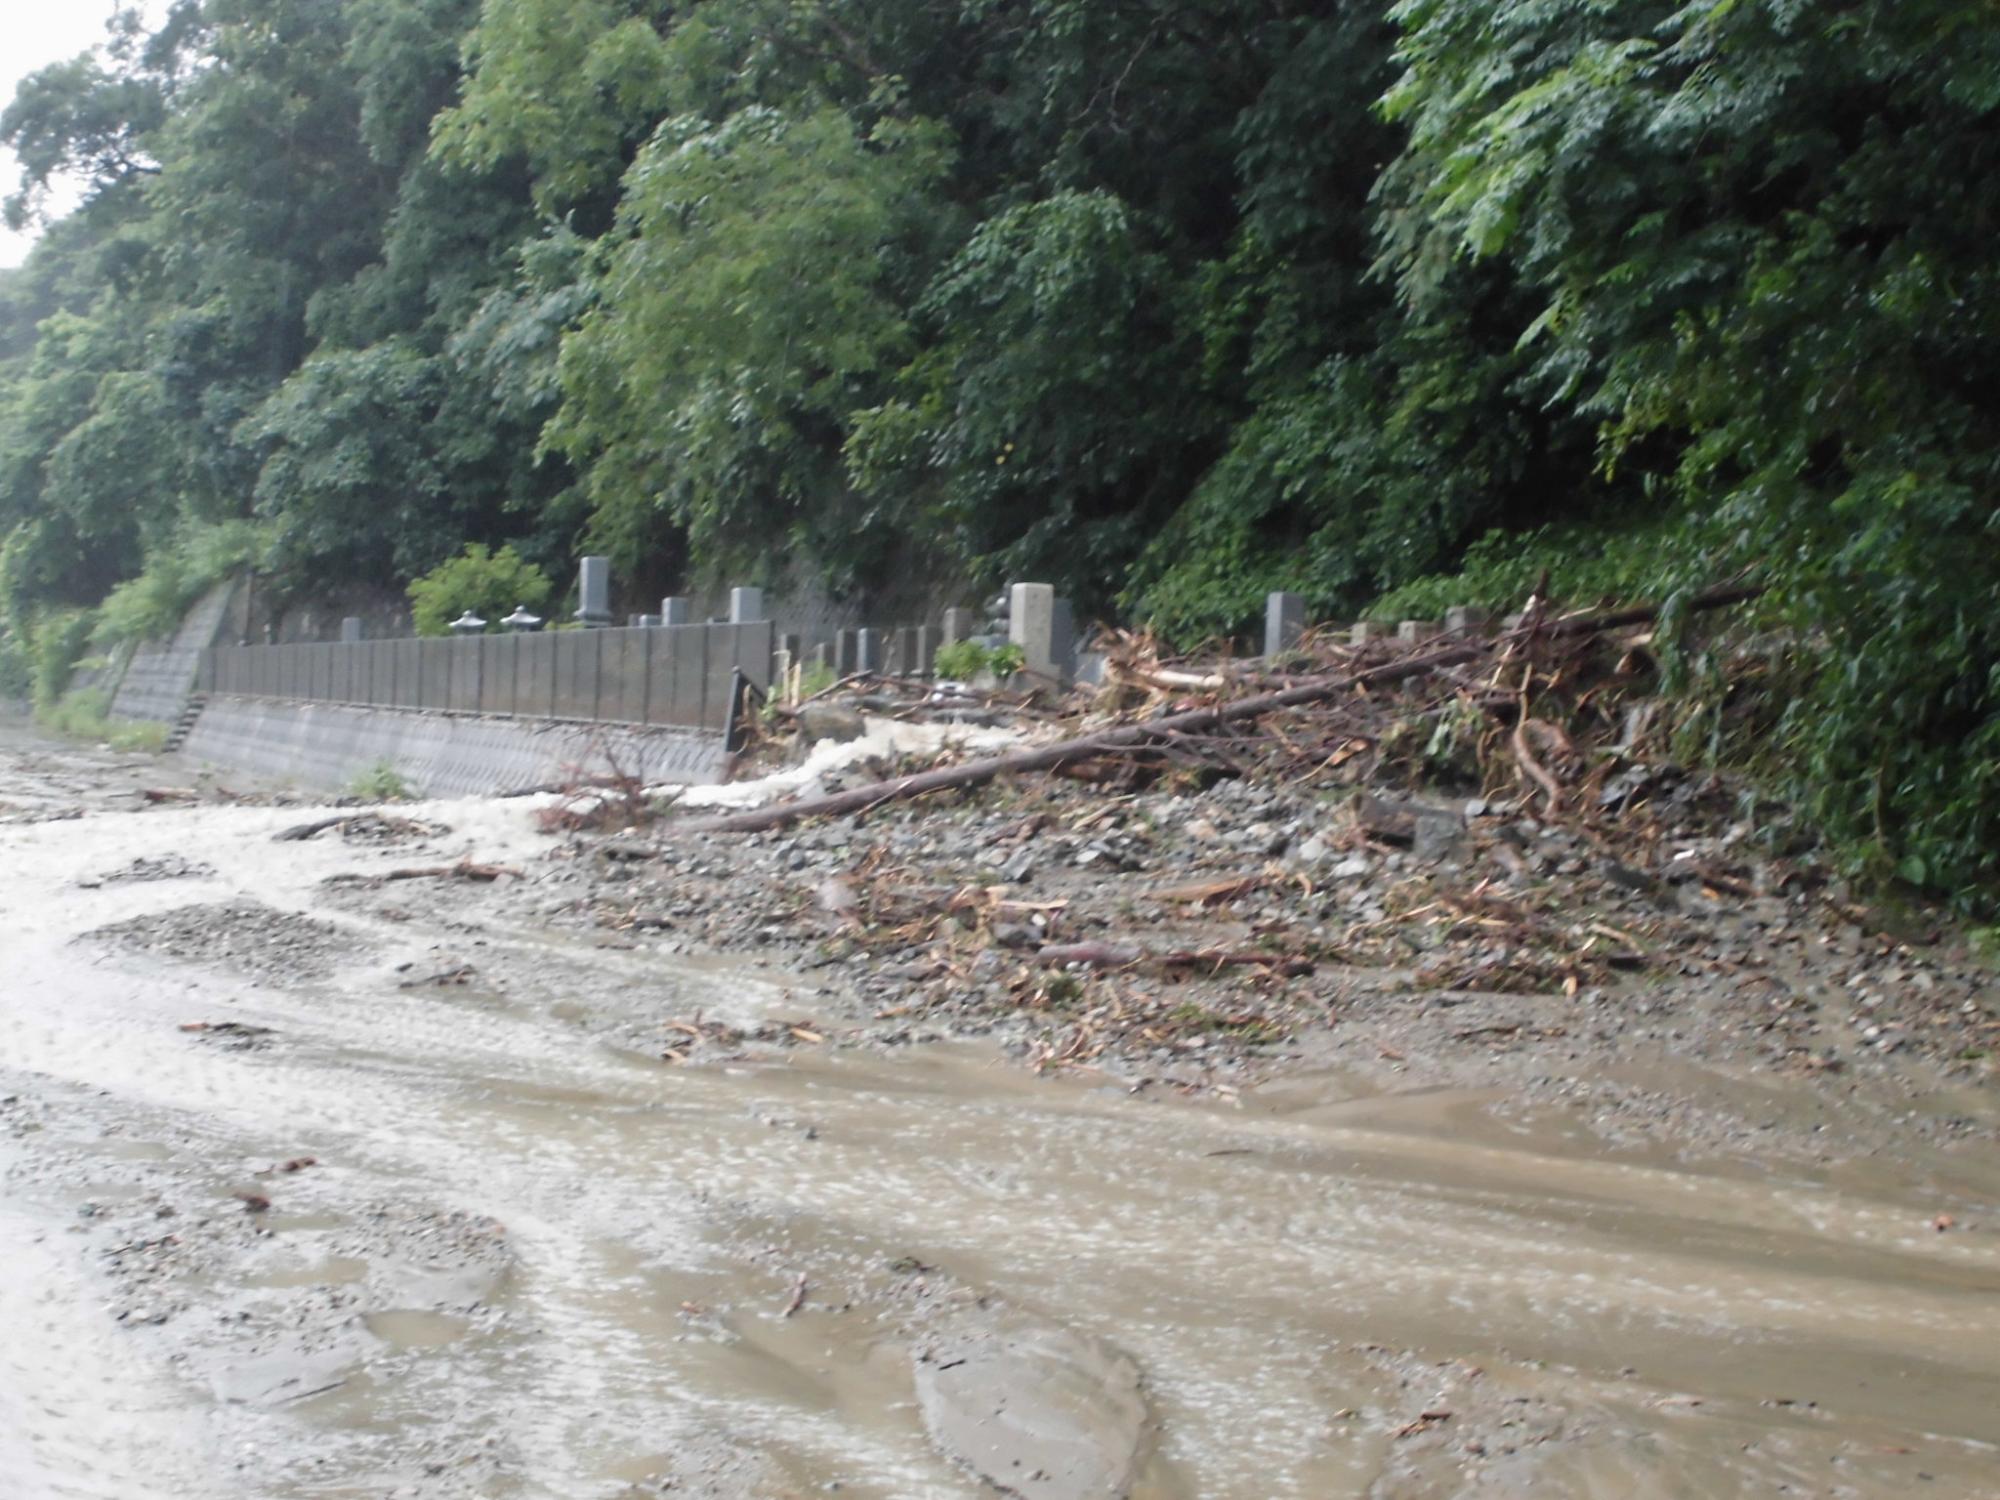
{"x":1091,"y":955}
{"x":1198,"y":721}
{"x":465,"y":869}
{"x":299,"y":832}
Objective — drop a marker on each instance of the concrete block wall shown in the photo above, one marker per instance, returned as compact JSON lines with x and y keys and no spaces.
{"x":161,"y":674}
{"x":325,"y":746}
{"x":678,"y":675}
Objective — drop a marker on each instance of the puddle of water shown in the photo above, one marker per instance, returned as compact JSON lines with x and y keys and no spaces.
{"x":340,"y":1271}
{"x":414,"y":1328}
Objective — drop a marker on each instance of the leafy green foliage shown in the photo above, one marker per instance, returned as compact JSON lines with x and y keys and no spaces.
{"x":150,"y":606}
{"x":56,"y":641}
{"x":962,"y":661}
{"x":1751,"y":232}
{"x":490,"y":585}
{"x":86,"y":715}
{"x":742,"y":309}
{"x":381,"y":782}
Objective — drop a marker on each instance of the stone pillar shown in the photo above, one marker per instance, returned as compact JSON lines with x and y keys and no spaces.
{"x":1031,"y":625}
{"x":793,"y":645}
{"x":960,"y":625}
{"x":746,"y":606}
{"x":594,"y":592}
{"x":1062,"y":641}
{"x":1467,"y":619}
{"x":822,"y":655}
{"x":675,"y":610}
{"x":868,"y":651}
{"x":350,"y":631}
{"x":1365,"y":631}
{"x":924,"y":664}
{"x":1412,"y":631}
{"x":1284,"y":622}
{"x":843,"y":653}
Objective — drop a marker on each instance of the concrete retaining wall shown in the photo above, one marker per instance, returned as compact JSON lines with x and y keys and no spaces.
{"x":161,"y":674}
{"x":327,"y":745}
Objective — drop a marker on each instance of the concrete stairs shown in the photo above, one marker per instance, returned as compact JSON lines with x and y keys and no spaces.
{"x":184,"y":725}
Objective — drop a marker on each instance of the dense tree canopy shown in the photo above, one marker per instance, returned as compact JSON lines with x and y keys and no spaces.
{"x":1167,"y":301}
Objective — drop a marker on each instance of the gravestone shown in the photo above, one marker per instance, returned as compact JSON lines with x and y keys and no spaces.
{"x":1031,"y":625}
{"x":1284,"y":622}
{"x":594,"y":592}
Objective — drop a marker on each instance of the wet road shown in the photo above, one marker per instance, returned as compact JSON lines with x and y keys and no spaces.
{"x":529,"y":1261}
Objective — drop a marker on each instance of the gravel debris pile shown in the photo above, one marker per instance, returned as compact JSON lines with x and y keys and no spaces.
{"x":273,"y":946}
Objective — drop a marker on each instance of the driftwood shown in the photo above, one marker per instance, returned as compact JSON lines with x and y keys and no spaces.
{"x":465,"y":869}
{"x":1118,"y":956}
{"x":1091,"y":955}
{"x":1198,"y":721}
{"x":299,"y":832}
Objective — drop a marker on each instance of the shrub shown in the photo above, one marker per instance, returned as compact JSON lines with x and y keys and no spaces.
{"x":56,"y":644}
{"x":962,"y":661}
{"x":17,"y":676}
{"x":489,"y":584}
{"x":381,"y":782}
{"x":150,"y":606}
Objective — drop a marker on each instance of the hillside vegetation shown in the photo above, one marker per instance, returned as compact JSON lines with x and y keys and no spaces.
{"x":1169,"y":302}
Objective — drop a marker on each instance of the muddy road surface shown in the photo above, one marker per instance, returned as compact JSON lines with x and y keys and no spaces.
{"x":308,"y":1197}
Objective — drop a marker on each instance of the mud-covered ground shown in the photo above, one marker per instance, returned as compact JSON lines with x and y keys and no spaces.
{"x":943,"y":1154}
{"x":1214,"y":938}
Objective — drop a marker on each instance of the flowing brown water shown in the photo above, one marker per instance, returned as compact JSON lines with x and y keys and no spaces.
{"x":1299,"y":1276}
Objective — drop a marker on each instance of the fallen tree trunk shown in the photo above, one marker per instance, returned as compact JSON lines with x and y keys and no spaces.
{"x":1197,"y":721}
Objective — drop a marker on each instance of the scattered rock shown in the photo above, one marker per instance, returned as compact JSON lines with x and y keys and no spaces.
{"x":1036,"y":1412}
{"x":831,"y":721}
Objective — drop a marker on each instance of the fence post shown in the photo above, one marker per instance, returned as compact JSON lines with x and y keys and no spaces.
{"x":597,"y":681}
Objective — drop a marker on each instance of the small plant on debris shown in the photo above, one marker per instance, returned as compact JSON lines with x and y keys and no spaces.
{"x":381,"y":782}
{"x":962,"y":661}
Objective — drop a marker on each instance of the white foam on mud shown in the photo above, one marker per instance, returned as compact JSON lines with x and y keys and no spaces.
{"x":883,"y":737}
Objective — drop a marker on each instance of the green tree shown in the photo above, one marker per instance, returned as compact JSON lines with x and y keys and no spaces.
{"x":1757,"y":237}
{"x":489,"y":585}
{"x":743,"y":309}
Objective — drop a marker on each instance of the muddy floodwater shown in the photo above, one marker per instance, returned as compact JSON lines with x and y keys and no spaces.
{"x":290,"y":1211}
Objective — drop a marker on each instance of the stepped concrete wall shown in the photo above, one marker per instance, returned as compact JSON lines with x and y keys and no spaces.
{"x":327,"y":745}
{"x":161,"y":674}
